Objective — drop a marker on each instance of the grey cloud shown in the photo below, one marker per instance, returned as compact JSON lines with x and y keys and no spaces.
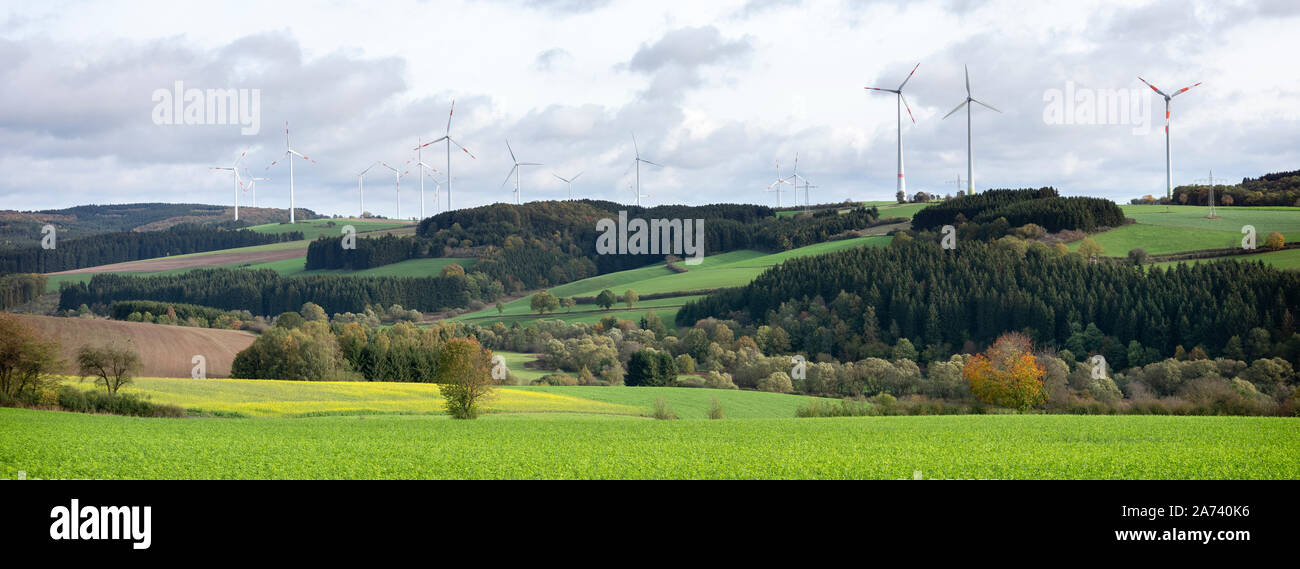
{"x":552,"y":58}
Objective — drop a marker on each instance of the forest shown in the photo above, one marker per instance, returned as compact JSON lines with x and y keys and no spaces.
{"x":125,"y":246}
{"x":1042,"y":207}
{"x":265,"y":292}
{"x":851,"y":303}
{"x":1276,"y":189}
{"x":542,"y":244}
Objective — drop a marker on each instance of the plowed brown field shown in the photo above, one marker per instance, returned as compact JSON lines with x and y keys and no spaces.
{"x":166,"y":351}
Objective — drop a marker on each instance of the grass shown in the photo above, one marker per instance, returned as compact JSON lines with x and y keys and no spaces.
{"x":584,"y":446}
{"x":689,"y":403}
{"x":311,"y":229}
{"x":1185,"y":228}
{"x":729,"y":269}
{"x":273,"y":398}
{"x":1288,"y":259}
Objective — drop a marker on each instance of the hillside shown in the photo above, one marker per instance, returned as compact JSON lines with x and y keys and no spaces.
{"x":22,"y":228}
{"x":166,"y":351}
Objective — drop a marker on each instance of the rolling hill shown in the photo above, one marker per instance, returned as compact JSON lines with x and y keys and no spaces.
{"x":165,"y":351}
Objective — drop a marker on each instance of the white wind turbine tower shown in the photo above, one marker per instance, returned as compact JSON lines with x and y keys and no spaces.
{"x":515,"y":170}
{"x":900,"y":103}
{"x":447,"y":138}
{"x":795,"y":176}
{"x":361,"y":189}
{"x":234,"y":169}
{"x":1169,"y":163}
{"x":252,"y":185}
{"x":437,"y":187}
{"x":776,"y":186}
{"x":637,"y":163}
{"x":568,"y":181}
{"x":970,"y":158}
{"x":289,"y":153}
{"x":397,"y":178}
{"x":419,"y":163}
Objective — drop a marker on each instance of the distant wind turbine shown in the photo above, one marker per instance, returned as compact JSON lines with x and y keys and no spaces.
{"x":234,"y":169}
{"x":776,"y":186}
{"x":1169,"y":161}
{"x":568,"y":181}
{"x":447,"y":138}
{"x":514,"y":171}
{"x":970,"y":156}
{"x":637,"y":164}
{"x":289,"y":153}
{"x":252,"y":185}
{"x":900,"y":103}
{"x":397,"y":177}
{"x":419,"y":163}
{"x":361,"y":189}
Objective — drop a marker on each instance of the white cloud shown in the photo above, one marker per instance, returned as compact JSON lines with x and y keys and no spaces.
{"x":715,"y":91}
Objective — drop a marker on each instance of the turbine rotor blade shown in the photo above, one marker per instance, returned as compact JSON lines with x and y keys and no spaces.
{"x":967,"y":67}
{"x":449,"y":114}
{"x":985,"y":104}
{"x":453,"y":141}
{"x":512,"y":172}
{"x":909,"y":109}
{"x":879,"y":89}
{"x":1181,"y":91}
{"x":963,"y":103}
{"x":1153,"y":87}
{"x":575,"y":176}
{"x":558,"y":176}
{"x":651,"y":163}
{"x":909,"y":77}
{"x":512,"y":152}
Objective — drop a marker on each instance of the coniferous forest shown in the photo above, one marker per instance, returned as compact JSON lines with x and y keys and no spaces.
{"x":125,"y":246}
{"x":848,"y":304}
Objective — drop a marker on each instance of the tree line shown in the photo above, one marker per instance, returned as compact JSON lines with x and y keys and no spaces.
{"x":850,"y":303}
{"x":123,"y":246}
{"x":16,"y":289}
{"x":1279,"y":188}
{"x":1043,"y":207}
{"x":266,"y":292}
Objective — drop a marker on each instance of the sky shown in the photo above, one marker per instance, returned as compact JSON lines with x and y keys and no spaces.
{"x":720,"y":93}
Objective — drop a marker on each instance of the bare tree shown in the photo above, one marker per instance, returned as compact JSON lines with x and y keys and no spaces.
{"x":112,"y":366}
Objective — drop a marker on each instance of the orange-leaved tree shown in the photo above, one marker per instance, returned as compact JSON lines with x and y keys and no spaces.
{"x":1007,"y":374}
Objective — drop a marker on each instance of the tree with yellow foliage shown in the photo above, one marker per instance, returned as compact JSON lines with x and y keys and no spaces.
{"x":1007,"y":374}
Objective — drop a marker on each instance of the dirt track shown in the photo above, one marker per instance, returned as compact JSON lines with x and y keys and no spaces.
{"x":165,"y":351}
{"x":213,"y":260}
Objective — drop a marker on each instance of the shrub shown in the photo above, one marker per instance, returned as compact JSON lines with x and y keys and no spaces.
{"x":661,"y":410}
{"x":715,"y":409}
{"x":841,"y":408}
{"x":717,"y":380}
{"x":777,"y":382}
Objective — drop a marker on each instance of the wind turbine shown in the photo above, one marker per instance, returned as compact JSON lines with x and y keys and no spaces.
{"x":289,"y":153}
{"x":637,"y":163}
{"x":234,"y":169}
{"x":515,"y":170}
{"x":252,"y":185}
{"x":361,"y":189}
{"x":419,"y":163}
{"x":970,"y":157}
{"x":900,"y":103}
{"x":795,"y":176}
{"x":397,"y":177}
{"x":568,"y":181}
{"x":1169,"y":164}
{"x":776,"y":186}
{"x":437,"y":185}
{"x":447,"y":137}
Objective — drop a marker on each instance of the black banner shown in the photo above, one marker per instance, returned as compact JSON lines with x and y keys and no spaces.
{"x":320,"y":519}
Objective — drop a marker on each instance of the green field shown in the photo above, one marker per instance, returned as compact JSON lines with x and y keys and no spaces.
{"x":729,"y":269}
{"x":276,"y":398}
{"x":49,"y":444}
{"x":311,"y":229}
{"x":1185,"y":228}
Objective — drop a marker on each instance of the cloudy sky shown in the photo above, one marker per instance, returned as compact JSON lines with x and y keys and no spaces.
{"x":718,"y":92}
